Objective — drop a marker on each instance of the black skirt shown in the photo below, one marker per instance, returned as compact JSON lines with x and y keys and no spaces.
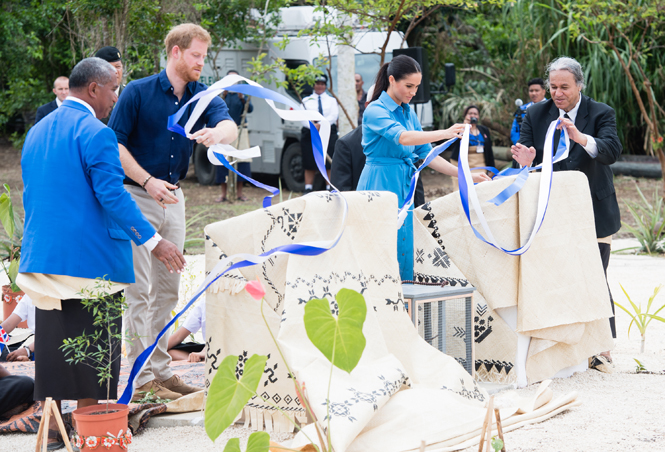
{"x":308,"y":161}
{"x":54,"y":376}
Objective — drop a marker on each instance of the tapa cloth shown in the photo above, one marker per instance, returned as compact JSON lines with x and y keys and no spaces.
{"x":403,"y":390}
{"x":558,"y":285}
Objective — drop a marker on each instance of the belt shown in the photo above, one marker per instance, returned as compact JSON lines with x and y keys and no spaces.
{"x":131,"y":182}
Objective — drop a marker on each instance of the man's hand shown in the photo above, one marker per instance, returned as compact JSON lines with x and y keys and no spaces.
{"x":573,"y":133}
{"x":159,"y":190}
{"x":170,"y":256}
{"x":208,"y":137}
{"x":318,"y":126}
{"x":20,"y":354}
{"x":522,"y":154}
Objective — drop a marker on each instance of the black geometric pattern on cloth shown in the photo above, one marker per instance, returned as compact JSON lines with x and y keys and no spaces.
{"x":420,"y":256}
{"x":371,"y":195}
{"x":211,"y":357}
{"x":240,"y":365}
{"x":342,"y":409}
{"x":272,"y":378}
{"x":470,"y":395}
{"x":421,"y":277}
{"x":440,"y":258}
{"x":429,"y":216}
{"x":327,"y":196}
{"x":499,"y":366}
{"x":337,"y":278}
{"x":481,"y":327}
{"x":397,"y":304}
{"x":289,"y":222}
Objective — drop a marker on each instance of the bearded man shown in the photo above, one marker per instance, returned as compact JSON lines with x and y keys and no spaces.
{"x":154,"y":160}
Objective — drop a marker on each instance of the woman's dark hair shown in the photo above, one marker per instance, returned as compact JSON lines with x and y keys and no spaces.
{"x":466,"y":110}
{"x":400,"y":67}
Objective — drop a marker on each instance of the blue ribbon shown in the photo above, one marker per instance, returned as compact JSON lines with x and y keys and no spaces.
{"x":295,"y":249}
{"x":516,"y":186}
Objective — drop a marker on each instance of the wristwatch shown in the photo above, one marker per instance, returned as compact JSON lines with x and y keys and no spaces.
{"x":31,"y":355}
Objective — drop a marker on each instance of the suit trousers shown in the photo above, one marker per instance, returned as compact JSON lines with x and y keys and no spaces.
{"x":605,"y":249}
{"x":154,"y":295}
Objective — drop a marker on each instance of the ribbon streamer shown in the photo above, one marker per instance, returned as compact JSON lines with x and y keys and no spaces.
{"x":469,"y":198}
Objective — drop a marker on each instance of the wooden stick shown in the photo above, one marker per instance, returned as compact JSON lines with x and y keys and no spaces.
{"x":481,"y":444}
{"x":422,"y":446}
{"x":46,"y":419}
{"x":490,"y":412}
{"x":499,"y":428}
{"x":41,"y":430}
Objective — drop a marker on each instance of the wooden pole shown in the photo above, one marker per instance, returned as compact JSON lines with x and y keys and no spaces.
{"x":499,"y":428}
{"x":490,"y":411}
{"x":51,"y":408}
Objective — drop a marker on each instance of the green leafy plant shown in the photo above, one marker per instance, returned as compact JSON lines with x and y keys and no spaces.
{"x":150,"y":397}
{"x":101,"y":348}
{"x":10,"y":246}
{"x":339,"y":338}
{"x":642,"y":318}
{"x":194,"y":233}
{"x":496,"y":443}
{"x":650,"y":223}
{"x":640,"y":366}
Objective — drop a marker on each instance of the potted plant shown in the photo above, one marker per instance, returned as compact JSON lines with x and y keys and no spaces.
{"x":10,"y":254}
{"x":106,"y":424}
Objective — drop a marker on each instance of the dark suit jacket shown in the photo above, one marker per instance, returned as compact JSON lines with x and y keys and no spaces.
{"x":106,"y":120}
{"x":349,"y":161}
{"x":599,"y":121}
{"x":45,"y":110}
{"x":487,"y":149}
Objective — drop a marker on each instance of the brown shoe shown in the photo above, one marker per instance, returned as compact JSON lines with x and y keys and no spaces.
{"x":176,"y":384}
{"x":601,"y":363}
{"x":154,"y":390}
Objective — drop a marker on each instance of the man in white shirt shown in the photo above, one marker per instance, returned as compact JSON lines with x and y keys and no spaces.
{"x":24,"y":312}
{"x":326,"y":105}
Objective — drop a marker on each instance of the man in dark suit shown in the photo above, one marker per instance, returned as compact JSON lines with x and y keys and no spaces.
{"x":113,"y":56}
{"x":349,"y":161}
{"x":61,"y":91}
{"x":594,"y":146}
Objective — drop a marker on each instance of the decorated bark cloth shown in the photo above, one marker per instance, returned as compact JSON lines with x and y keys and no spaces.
{"x":403,"y":390}
{"x":27,"y":418}
{"x":557,"y":286}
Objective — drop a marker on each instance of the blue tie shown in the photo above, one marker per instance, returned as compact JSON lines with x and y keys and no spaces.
{"x":320,"y":106}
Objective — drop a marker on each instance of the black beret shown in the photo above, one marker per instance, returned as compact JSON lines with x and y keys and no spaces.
{"x":110,"y":54}
{"x":321,"y":78}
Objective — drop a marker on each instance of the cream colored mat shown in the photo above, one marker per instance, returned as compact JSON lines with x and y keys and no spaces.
{"x":558,"y":285}
{"x":403,"y":390}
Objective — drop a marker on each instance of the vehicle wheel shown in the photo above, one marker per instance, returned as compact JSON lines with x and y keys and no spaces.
{"x":205,"y":171}
{"x":292,"y":170}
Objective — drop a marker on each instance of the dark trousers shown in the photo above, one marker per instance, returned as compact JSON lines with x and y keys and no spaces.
{"x":605,"y":249}
{"x":14,"y":391}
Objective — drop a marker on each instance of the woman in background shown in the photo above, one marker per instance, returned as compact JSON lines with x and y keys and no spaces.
{"x":393,"y":141}
{"x":480,"y":142}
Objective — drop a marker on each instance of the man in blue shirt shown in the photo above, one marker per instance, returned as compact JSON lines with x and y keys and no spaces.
{"x":154,"y":160}
{"x":536,"y":94}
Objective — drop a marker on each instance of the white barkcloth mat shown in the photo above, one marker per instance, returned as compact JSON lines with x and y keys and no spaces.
{"x":403,"y":390}
{"x":557,"y":287}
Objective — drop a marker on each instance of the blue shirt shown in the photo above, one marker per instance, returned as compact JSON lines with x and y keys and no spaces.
{"x":140,"y":117}
{"x":237,"y":106}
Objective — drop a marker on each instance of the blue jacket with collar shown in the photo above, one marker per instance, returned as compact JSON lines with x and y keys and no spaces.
{"x":78,"y":216}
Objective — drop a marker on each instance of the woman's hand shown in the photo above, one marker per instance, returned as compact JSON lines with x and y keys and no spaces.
{"x":480,"y":177}
{"x":455,"y":131}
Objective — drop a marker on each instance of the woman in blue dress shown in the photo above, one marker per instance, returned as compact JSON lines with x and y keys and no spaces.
{"x":393,"y":141}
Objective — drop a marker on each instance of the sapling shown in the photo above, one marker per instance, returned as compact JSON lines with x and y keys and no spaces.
{"x":639,"y":318}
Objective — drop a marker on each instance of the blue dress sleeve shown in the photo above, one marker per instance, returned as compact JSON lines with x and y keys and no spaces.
{"x":378,"y":120}
{"x":423,"y":149}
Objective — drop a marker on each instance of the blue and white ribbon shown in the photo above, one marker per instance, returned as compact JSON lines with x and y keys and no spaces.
{"x":216,"y":154}
{"x":470,"y":200}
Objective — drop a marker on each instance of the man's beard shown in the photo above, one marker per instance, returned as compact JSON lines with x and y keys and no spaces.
{"x":185,"y":72}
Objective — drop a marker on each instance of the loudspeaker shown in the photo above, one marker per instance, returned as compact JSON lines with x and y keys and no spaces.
{"x":420,"y":55}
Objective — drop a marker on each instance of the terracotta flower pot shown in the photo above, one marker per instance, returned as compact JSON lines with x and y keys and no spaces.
{"x":9,"y":301}
{"x":97,"y":429}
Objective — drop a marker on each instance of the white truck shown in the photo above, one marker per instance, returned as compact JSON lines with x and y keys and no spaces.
{"x":279,"y":140}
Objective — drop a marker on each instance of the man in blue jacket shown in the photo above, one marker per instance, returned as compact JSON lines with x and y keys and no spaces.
{"x":79,"y":225}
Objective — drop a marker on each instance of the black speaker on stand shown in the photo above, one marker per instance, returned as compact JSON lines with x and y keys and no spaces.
{"x":420,"y":55}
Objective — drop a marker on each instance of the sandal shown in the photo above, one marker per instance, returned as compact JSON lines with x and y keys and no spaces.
{"x":243,"y":198}
{"x":221,"y":199}
{"x":55,"y":445}
{"x":602,"y":364}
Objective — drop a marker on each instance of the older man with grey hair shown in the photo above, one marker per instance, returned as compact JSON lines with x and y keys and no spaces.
{"x":79,"y":225}
{"x":591,"y":127}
